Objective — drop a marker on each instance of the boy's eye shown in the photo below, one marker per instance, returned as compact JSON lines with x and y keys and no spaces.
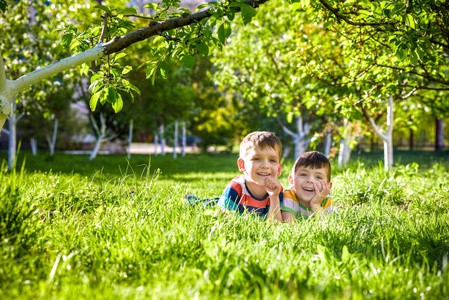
{"x":303,"y":175}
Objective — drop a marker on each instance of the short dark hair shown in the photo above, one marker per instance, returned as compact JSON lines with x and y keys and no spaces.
{"x":261,"y":139}
{"x":314,"y":160}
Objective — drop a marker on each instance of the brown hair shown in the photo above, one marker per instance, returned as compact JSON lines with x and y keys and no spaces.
{"x":314,"y":160}
{"x":261,"y":139}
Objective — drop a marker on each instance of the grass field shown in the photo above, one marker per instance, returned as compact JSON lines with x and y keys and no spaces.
{"x":70,"y":229}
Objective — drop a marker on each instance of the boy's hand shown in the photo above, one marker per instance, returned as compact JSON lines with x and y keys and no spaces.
{"x":273,"y":187}
{"x":321,"y":192}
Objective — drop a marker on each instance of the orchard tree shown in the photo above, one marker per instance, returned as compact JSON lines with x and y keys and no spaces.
{"x":415,"y":32}
{"x":177,"y":34}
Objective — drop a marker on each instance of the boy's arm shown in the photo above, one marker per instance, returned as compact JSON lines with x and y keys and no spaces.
{"x":273,"y":187}
{"x":288,"y":217}
{"x":230,"y":198}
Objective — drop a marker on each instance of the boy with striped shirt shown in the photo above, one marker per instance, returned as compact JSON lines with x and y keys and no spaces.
{"x":310,"y":183}
{"x":257,"y":190}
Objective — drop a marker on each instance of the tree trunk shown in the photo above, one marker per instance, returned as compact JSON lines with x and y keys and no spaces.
{"x":100,"y":137}
{"x":130,"y":138}
{"x":299,"y":139}
{"x":344,"y":153}
{"x":33,"y":143}
{"x":328,"y":143}
{"x":12,"y":136}
{"x":184,"y":139}
{"x":411,"y":140}
{"x":156,"y":142}
{"x":12,"y":141}
{"x":52,"y":141}
{"x":386,"y":136}
{"x":439,"y":137}
{"x":161,"y":133}
{"x":175,"y":143}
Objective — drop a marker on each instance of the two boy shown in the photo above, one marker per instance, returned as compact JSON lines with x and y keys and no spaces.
{"x":258,"y":191}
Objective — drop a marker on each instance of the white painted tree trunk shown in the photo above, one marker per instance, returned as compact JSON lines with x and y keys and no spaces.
{"x":386,"y":135}
{"x":184,"y":139}
{"x":328,"y":143}
{"x":12,"y":136}
{"x":299,"y":139}
{"x":12,"y":141}
{"x":33,"y":146}
{"x":101,"y":135}
{"x":52,"y":141}
{"x":162,"y":138}
{"x":130,"y":138}
{"x":344,"y":153}
{"x":156,"y":142}
{"x":175,"y":142}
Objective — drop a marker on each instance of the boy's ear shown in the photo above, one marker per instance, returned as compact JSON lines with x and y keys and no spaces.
{"x":291,"y":179}
{"x":279,"y":170}
{"x":329,"y":185}
{"x":241,"y":165}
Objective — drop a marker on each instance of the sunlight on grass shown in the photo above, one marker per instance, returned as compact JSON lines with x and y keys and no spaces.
{"x":118,"y":229}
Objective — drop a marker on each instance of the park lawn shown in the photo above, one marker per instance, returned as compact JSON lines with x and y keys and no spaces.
{"x":70,"y":228}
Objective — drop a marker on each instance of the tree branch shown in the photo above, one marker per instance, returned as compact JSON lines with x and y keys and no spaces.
{"x":345,"y":18}
{"x":2,"y":73}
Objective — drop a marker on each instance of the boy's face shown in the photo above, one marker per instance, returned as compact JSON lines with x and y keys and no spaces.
{"x":258,"y":164}
{"x":303,"y":183}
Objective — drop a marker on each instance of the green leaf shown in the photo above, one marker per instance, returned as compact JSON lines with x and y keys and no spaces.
{"x":202,"y":48}
{"x":188,"y":61}
{"x":128,"y":11}
{"x":66,"y":40}
{"x":248,"y":12}
{"x":120,"y":55}
{"x":227,"y":29}
{"x":126,"y":70}
{"x":163,"y":69}
{"x":398,"y":7}
{"x":328,"y":24}
{"x":84,"y":69}
{"x":152,"y":6}
{"x":221,"y":34}
{"x":94,"y":100}
{"x":118,"y":104}
{"x":104,"y":8}
{"x":230,"y":13}
{"x":411,"y":21}
{"x":202,"y":6}
{"x":3,"y":5}
{"x":151,"y":69}
{"x":110,"y":94}
{"x":158,"y":39}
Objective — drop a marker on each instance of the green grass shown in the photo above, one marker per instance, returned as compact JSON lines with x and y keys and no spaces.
{"x":69,"y":229}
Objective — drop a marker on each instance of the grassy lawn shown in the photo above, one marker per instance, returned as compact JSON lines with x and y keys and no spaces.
{"x":70,"y":229}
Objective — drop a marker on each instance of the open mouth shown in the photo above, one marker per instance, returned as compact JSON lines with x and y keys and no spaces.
{"x":263,"y":174}
{"x":308,"y":189}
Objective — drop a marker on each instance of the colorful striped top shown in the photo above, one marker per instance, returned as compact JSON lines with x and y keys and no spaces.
{"x":290,"y":203}
{"x":237,"y":197}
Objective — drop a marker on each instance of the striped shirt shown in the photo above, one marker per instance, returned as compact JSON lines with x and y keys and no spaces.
{"x":237,"y":197}
{"x":290,"y":203}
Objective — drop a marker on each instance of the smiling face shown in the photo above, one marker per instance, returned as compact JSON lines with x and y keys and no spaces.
{"x":303,"y":183}
{"x":257,"y":164}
